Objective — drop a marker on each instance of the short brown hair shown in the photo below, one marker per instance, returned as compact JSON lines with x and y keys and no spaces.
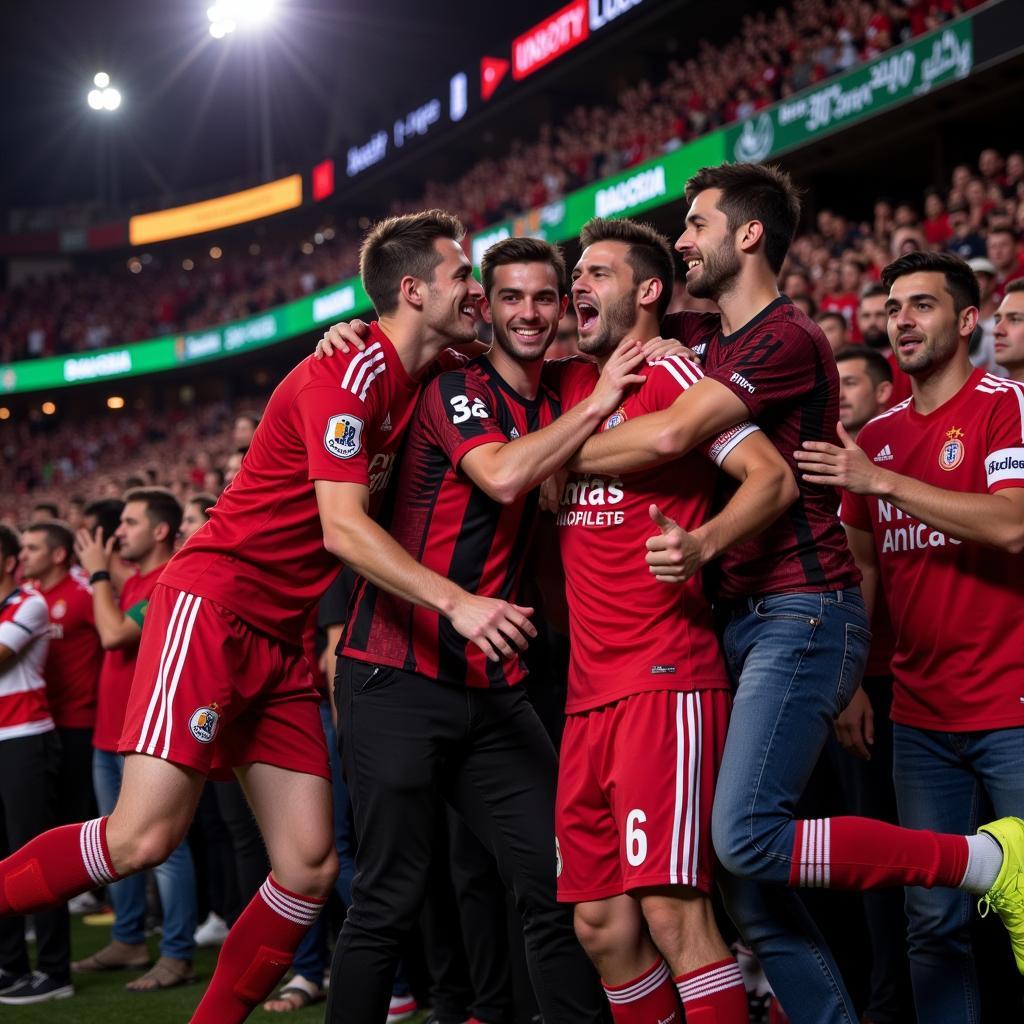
{"x":404,"y":245}
{"x":58,"y":535}
{"x":877,"y":367}
{"x":521,"y":250}
{"x":761,"y":192}
{"x":1014,"y":286}
{"x":649,"y":254}
{"x":161,"y":506}
{"x":10,"y":544}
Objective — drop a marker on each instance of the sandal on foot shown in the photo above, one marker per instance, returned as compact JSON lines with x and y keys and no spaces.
{"x":167,"y":972}
{"x":115,"y":956}
{"x":296,"y":997}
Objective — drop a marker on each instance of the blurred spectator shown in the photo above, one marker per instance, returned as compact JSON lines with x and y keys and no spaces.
{"x":835,"y":329}
{"x":1009,"y":331}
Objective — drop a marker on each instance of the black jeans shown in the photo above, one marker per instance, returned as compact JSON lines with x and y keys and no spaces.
{"x":76,"y":800}
{"x":404,"y":739}
{"x":29,"y":766}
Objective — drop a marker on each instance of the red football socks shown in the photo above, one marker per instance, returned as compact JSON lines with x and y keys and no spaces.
{"x":649,"y":999}
{"x":862,"y":853}
{"x":258,"y":950}
{"x":55,"y":866}
{"x":714,"y":994}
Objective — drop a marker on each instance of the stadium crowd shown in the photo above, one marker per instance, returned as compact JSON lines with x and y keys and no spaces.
{"x":774,"y":56}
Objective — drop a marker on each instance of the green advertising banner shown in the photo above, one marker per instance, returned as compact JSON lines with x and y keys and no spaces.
{"x":943,"y":56}
{"x":902,"y":74}
{"x":173,"y":351}
{"x":643,"y":187}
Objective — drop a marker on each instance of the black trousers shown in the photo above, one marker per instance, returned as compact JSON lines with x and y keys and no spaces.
{"x":76,"y":800}
{"x":29,"y":767}
{"x":404,"y":739}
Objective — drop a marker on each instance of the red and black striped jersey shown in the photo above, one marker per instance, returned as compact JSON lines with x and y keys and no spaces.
{"x":451,"y":526}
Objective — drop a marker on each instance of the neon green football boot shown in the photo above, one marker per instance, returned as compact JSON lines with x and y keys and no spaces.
{"x":1006,"y":897}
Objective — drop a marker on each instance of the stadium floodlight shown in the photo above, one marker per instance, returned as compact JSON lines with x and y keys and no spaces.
{"x":227,"y":15}
{"x":104,"y":96}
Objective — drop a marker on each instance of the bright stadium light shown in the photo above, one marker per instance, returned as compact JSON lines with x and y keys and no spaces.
{"x":227,"y":15}
{"x":104,"y":96}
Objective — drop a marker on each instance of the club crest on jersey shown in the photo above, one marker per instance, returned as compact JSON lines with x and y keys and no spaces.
{"x":344,"y":436}
{"x":59,"y":609}
{"x":617,"y":417}
{"x":203,"y":723}
{"x":952,"y":452}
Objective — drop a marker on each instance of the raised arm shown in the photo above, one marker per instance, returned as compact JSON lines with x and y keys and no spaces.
{"x":702,"y":411}
{"x":506,"y":470}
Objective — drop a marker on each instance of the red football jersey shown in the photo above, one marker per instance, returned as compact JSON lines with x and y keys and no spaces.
{"x":956,"y":606}
{"x":119,"y":665}
{"x":73,"y":665}
{"x":262,"y":555}
{"x":450,"y":525}
{"x":628,"y":632}
{"x":24,"y":629}
{"x":781,"y":367}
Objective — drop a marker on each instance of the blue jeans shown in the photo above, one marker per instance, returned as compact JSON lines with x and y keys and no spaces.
{"x":942,"y":780}
{"x":796,"y":659}
{"x":311,"y":957}
{"x":175,"y":878}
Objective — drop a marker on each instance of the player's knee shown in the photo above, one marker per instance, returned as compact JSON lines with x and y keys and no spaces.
{"x":599,"y":931}
{"x":144,"y":849}
{"x":326,"y":873}
{"x":311,"y":875}
{"x":667,"y":926}
{"x":733,"y":843}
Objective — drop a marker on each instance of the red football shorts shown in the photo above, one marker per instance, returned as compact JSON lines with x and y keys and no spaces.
{"x":212,"y":694}
{"x":636,"y":781}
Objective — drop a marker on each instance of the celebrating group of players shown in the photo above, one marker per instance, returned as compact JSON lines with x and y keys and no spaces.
{"x":688,"y":741}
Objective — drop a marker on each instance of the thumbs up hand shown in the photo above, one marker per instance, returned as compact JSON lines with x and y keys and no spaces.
{"x":673,"y":555}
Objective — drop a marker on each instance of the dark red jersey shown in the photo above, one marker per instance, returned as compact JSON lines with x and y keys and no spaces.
{"x":451,"y":526}
{"x":781,"y":367}
{"x":262,"y":553}
{"x":73,"y":663}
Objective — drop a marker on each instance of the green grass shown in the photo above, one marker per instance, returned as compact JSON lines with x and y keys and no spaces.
{"x":103,"y":999}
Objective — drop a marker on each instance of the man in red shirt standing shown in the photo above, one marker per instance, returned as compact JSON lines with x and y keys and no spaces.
{"x":934,"y":508}
{"x":222,"y":681}
{"x":29,"y":755}
{"x":145,"y":539}
{"x":73,"y":662}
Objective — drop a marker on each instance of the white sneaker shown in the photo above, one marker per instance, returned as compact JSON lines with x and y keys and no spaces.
{"x":84,"y":903}
{"x":212,"y":932}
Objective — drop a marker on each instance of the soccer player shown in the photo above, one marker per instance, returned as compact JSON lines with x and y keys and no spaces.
{"x":1009,"y":331}
{"x":72,"y":663}
{"x":29,"y":758}
{"x":934,"y":507}
{"x":420,"y":711}
{"x":144,"y":539}
{"x":797,"y":635}
{"x":221,"y":680}
{"x":648,"y":698}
